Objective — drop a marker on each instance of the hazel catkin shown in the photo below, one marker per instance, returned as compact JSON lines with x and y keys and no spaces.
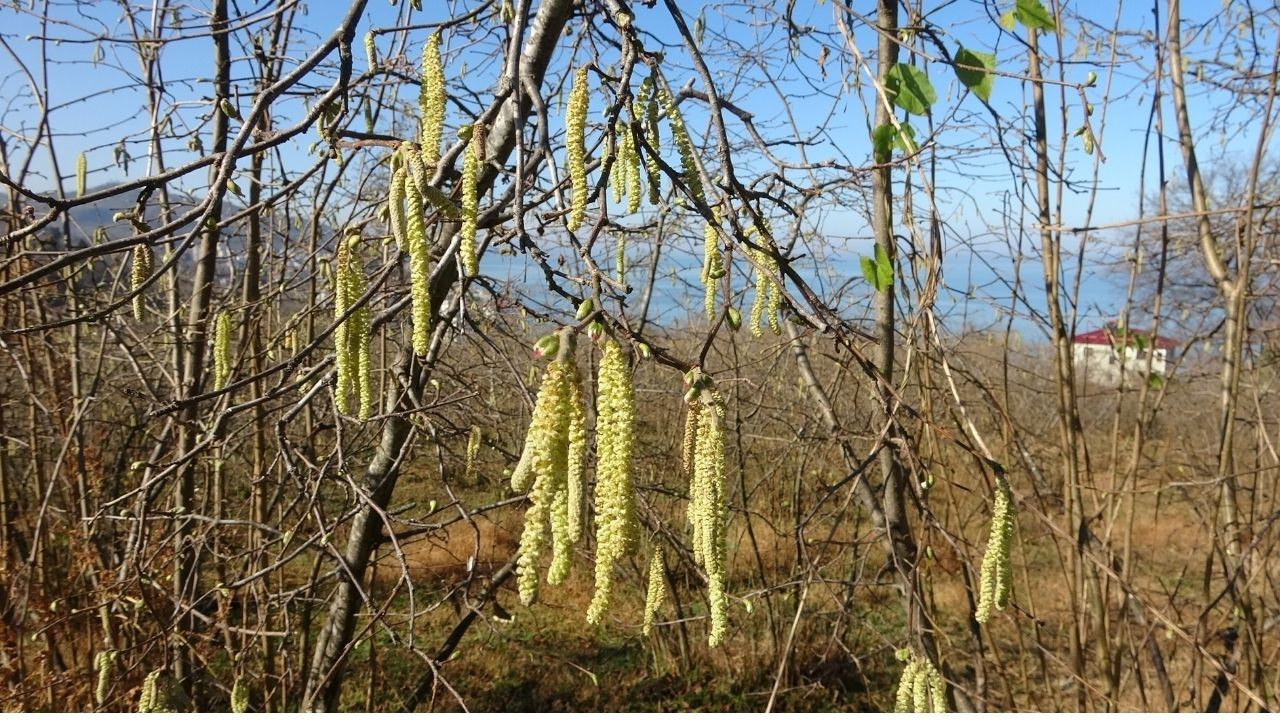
{"x":82,"y":174}
{"x":419,"y":268}
{"x":921,"y":687}
{"x":657,"y":591}
{"x":221,"y":349}
{"x":708,"y":509}
{"x":996,"y":577}
{"x":547,"y":447}
{"x":351,"y":337}
{"x":240,"y":696}
{"x":431,"y":101}
{"x":647,"y":111}
{"x":712,"y":266}
{"x":680,"y":134}
{"x":473,"y":451}
{"x":575,"y":141}
{"x":471,"y":165}
{"x":139,"y":272}
{"x":616,"y":527}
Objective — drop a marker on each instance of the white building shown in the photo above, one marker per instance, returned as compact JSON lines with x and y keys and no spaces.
{"x":1105,"y":355}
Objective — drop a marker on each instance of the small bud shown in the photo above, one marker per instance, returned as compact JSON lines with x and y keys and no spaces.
{"x":735,"y":319}
{"x":585,"y":309}
{"x":645,"y":351}
{"x":547,"y":345}
{"x":229,"y":109}
{"x":1091,"y":79}
{"x":595,"y":330}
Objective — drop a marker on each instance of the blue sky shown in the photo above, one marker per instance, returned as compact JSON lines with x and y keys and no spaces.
{"x":94,"y":105}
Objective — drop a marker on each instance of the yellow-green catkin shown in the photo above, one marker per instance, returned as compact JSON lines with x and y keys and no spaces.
{"x":547,"y":444}
{"x":352,"y":337}
{"x":82,"y":174}
{"x":431,"y":101}
{"x":147,"y":698}
{"x":473,"y":451}
{"x":395,"y":203}
{"x":712,"y":267}
{"x":708,"y":511}
{"x":158,"y":694}
{"x":221,"y":349}
{"x":616,"y":527}
{"x":370,"y":52}
{"x":419,"y":268}
{"x":575,"y":131}
{"x":921,"y":687}
{"x":577,"y":467}
{"x":997,"y":573}
{"x":139,"y":273}
{"x":104,"y":662}
{"x":634,"y":194}
{"x":690,"y":439}
{"x":680,"y":134}
{"x":240,"y":696}
{"x":471,"y":165}
{"x":657,"y":593}
{"x":618,"y":173}
{"x":647,"y":110}
{"x":620,"y":259}
{"x":562,"y":533}
{"x":768,"y":294}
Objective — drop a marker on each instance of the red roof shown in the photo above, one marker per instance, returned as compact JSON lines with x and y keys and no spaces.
{"x":1107,"y":336}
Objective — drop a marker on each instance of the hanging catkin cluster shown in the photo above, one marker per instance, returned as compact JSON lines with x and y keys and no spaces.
{"x":409,"y":225}
{"x":712,"y":265}
{"x":157,"y":694}
{"x":544,"y":471}
{"x":104,"y":661}
{"x":768,"y":294}
{"x":240,"y":696}
{"x":657,"y":593}
{"x":221,"y":349}
{"x":473,"y":451}
{"x":370,"y":52}
{"x":646,"y":110}
{"x":471,"y":165}
{"x":708,"y":509}
{"x":921,"y":688}
{"x":139,"y":272}
{"x":575,"y":131}
{"x":431,"y":100}
{"x":680,"y":134}
{"x":351,"y":337}
{"x":625,"y":174}
{"x":616,"y":527}
{"x":997,"y":573}
{"x":82,"y":174}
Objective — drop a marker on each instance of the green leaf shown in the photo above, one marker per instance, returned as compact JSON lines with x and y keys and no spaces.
{"x":869,"y":272}
{"x":1155,"y":381}
{"x":910,"y":88}
{"x":882,"y":142}
{"x":1033,"y":15}
{"x":907,"y":145}
{"x":884,"y":269}
{"x":886,"y":137}
{"x":977,"y":76}
{"x":1007,"y":20}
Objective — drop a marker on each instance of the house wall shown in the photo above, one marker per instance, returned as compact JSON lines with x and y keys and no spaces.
{"x":1103,"y":364}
